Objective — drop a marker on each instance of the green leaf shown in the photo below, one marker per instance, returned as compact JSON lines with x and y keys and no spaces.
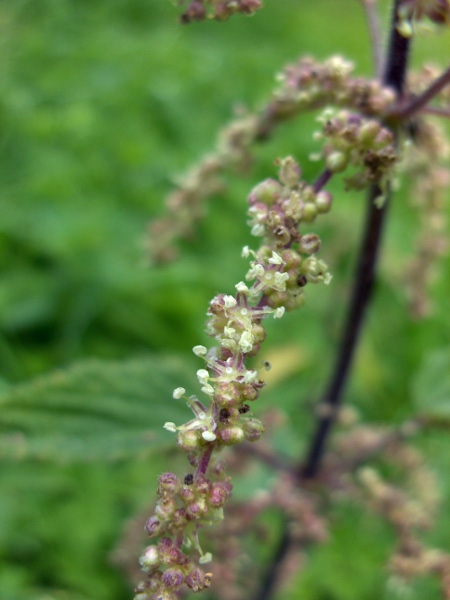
{"x":95,"y":410}
{"x":431,"y":389}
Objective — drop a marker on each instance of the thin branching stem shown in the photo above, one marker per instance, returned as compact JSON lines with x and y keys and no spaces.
{"x":322,"y":180}
{"x":420,"y":102}
{"x":373,"y":25}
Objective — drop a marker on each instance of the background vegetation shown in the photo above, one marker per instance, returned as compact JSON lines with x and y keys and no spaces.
{"x":102,"y":103}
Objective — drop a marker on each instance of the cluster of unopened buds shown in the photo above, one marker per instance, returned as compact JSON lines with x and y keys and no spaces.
{"x":361,"y":143}
{"x":274,"y":283}
{"x":197,"y":10}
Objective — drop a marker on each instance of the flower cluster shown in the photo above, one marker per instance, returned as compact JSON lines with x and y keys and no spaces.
{"x":351,"y":140}
{"x":274,"y":283}
{"x":305,"y":85}
{"x":198,"y":10}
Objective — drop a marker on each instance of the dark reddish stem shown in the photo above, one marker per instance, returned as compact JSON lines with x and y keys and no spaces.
{"x":322,"y":180}
{"x":404,"y":112}
{"x":204,"y":460}
{"x":394,"y":76}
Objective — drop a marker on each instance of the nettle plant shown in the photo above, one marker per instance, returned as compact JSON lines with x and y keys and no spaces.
{"x":372,"y":131}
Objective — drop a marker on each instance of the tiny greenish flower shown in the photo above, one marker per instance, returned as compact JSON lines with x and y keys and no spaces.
{"x":279,"y":312}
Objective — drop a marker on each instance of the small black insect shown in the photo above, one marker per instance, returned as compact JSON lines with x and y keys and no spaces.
{"x":224,"y":415}
{"x":244,"y":409}
{"x":189,"y":479}
{"x":301,"y":280}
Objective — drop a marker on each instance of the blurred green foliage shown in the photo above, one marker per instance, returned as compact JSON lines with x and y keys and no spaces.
{"x":102,"y":103}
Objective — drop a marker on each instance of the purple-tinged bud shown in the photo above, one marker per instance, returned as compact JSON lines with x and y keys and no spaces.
{"x":170,"y":554}
{"x":195,"y":12}
{"x":310,"y":243}
{"x":197,"y":509}
{"x":198,"y":580}
{"x":219,"y":468}
{"x":202,"y":485}
{"x":153,"y":526}
{"x":187,"y":494}
{"x":253,"y":429}
{"x":231,"y":435}
{"x":248,"y":7}
{"x":173,"y":578}
{"x":220,"y":493}
{"x":226,"y":394}
{"x":168,"y":482}
{"x":323,"y":201}
{"x":291,"y":258}
{"x":165,"y":508}
{"x":150,"y":559}
{"x":179,"y":518}
{"x":267,"y":192}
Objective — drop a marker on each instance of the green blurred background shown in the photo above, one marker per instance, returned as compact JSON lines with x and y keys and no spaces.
{"x":102,"y":104}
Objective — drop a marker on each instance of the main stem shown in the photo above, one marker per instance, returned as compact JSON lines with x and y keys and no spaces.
{"x":394,"y":76}
{"x":394,"y":73}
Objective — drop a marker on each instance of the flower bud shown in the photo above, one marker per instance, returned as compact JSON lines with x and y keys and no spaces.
{"x":309,"y":212}
{"x":153,"y":526}
{"x":187,"y":494}
{"x":253,"y":429}
{"x":220,"y":492}
{"x":197,"y":509}
{"x":323,"y":201}
{"x":290,"y":171}
{"x":188,"y":440}
{"x":336,"y":162}
{"x":165,"y":508}
{"x":173,"y":578}
{"x":291,"y":258}
{"x":198,"y":580}
{"x":202,"y":485}
{"x":310,"y":243}
{"x":267,"y":192}
{"x":369,"y":131}
{"x":179,"y":518}
{"x":150,"y":559}
{"x":232,"y":435}
{"x":168,"y":482}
